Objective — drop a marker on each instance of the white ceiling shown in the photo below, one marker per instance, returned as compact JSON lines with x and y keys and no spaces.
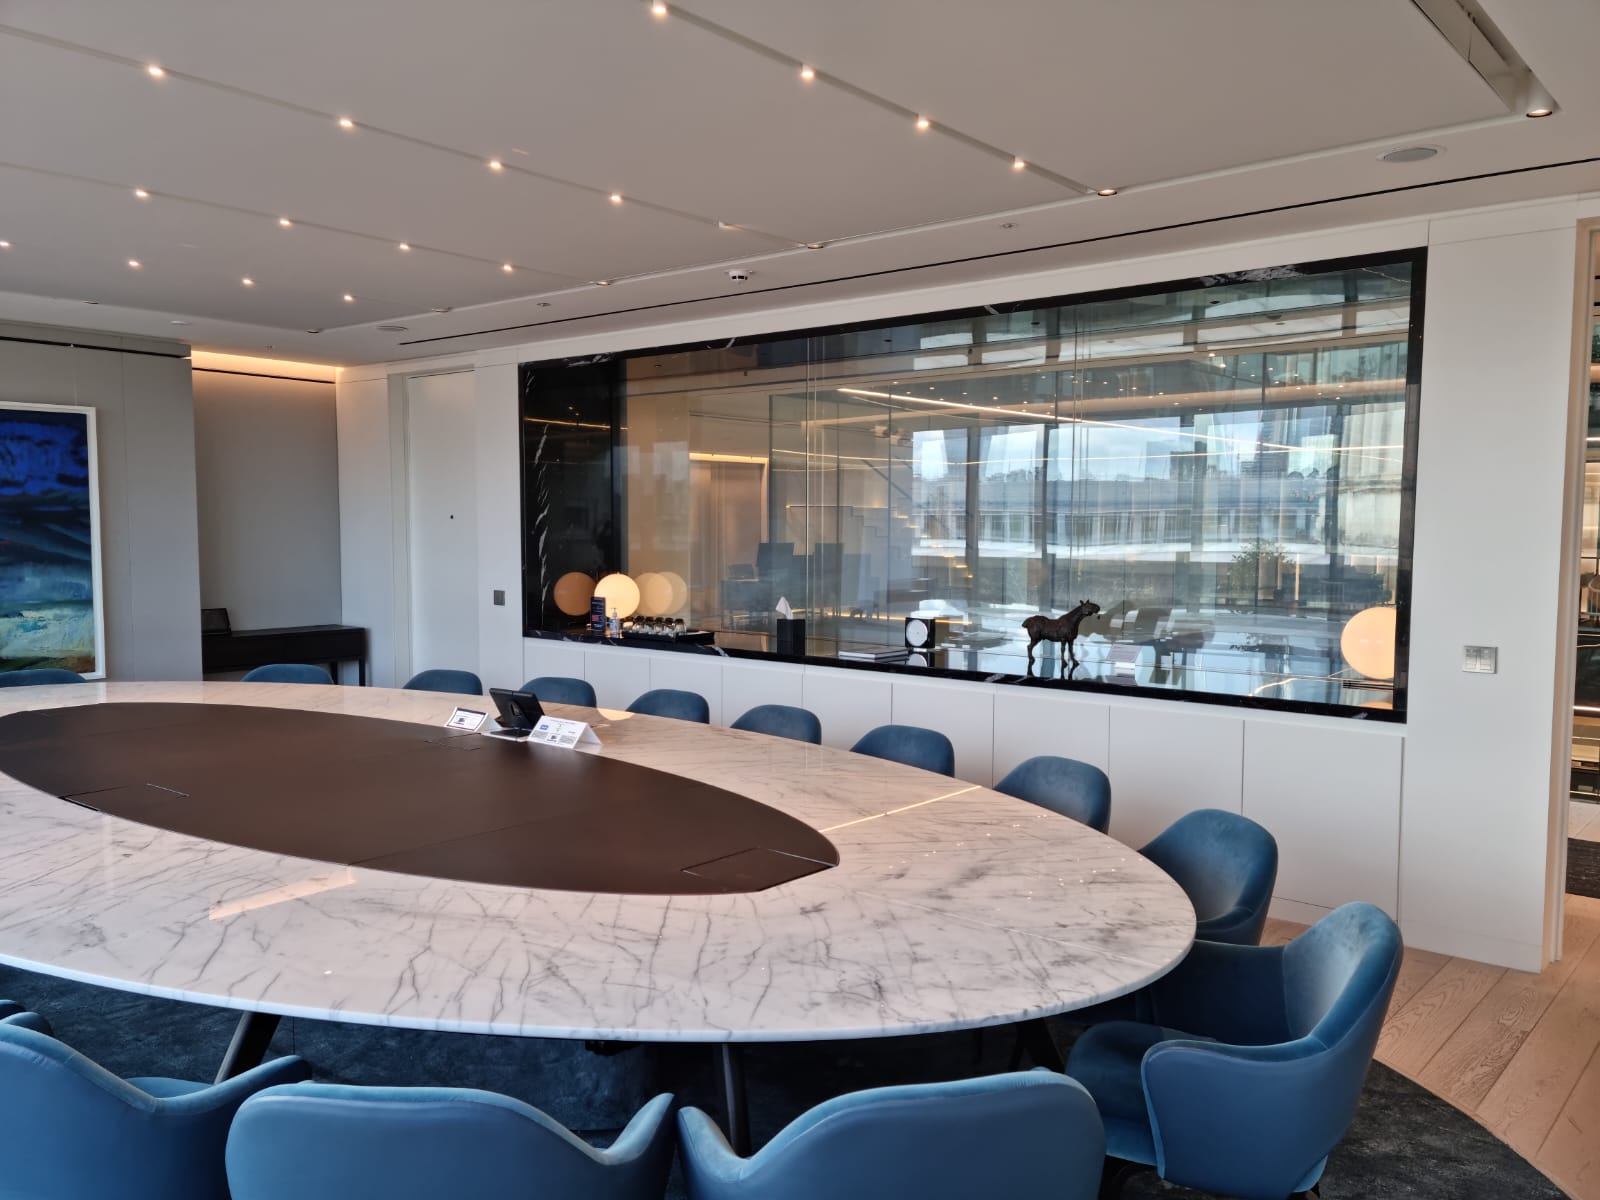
{"x":1196,"y":112}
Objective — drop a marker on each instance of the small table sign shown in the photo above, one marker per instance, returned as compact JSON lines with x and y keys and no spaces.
{"x":553,"y":731}
{"x":466,"y":718}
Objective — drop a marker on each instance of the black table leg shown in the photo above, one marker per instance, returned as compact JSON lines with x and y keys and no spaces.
{"x":733,"y":1100}
{"x":361,"y":671}
{"x":249,"y":1044}
{"x":1034,"y":1037}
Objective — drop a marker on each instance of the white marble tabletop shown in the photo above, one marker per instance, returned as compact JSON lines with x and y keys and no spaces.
{"x":952,"y":906}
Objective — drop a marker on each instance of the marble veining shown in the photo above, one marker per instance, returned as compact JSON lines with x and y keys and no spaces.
{"x":952,"y":907}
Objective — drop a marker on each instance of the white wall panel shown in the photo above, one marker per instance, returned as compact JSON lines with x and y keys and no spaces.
{"x":499,"y":478}
{"x":1169,"y":759}
{"x":543,"y":656}
{"x":1330,"y":793}
{"x":687,"y":672}
{"x":1030,"y":721}
{"x":963,"y":712}
{"x":847,"y":702}
{"x":746,"y":684}
{"x":620,"y":674}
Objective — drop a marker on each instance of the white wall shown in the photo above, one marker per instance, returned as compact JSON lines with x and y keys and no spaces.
{"x":267,"y":470}
{"x":149,"y":545}
{"x":1443,"y":820}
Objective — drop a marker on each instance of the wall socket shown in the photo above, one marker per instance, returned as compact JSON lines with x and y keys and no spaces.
{"x":500,"y":596}
{"x":1480,"y":660}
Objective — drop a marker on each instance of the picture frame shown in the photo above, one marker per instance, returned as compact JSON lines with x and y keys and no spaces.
{"x":52,"y":600}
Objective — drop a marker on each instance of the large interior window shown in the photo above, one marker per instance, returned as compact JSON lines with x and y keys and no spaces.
{"x":1223,"y":466}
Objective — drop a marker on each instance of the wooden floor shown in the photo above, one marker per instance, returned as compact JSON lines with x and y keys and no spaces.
{"x":1518,"y":1052}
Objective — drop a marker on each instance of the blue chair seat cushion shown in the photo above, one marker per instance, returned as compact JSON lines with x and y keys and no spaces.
{"x":1106,"y":1061}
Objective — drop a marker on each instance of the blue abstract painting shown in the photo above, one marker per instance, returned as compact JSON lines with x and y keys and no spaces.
{"x":49,"y":546}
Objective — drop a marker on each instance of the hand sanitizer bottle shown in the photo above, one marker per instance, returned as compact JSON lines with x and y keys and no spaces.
{"x":615,"y":627}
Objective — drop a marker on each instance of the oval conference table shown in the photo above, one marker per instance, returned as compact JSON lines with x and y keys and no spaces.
{"x":337,"y":853}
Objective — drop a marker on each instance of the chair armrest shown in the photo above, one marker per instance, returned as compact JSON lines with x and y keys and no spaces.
{"x":231,"y":1093}
{"x":709,"y":1163}
{"x":29,"y":1020}
{"x":1201,"y":995}
{"x":1244,"y":1120}
{"x":644,"y":1132}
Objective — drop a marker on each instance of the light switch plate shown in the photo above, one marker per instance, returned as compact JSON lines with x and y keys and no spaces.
{"x":1480,"y":660}
{"x":499,"y":596}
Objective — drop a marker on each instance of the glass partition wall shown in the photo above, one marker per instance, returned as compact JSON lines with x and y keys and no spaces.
{"x":1222,"y":466}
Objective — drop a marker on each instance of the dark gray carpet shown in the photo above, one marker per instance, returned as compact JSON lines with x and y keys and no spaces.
{"x":1405,"y":1144}
{"x":1583,"y":867}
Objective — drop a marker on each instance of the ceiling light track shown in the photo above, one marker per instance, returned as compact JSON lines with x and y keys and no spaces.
{"x":1001,"y":255}
{"x":911,"y":116}
{"x":497,"y":165}
{"x":285,"y":222}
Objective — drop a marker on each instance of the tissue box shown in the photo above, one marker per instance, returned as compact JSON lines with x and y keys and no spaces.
{"x":791,"y":636}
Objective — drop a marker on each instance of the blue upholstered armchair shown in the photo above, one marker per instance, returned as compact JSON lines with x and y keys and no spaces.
{"x":332,"y":1142}
{"x":782,"y":720}
{"x":909,"y":744}
{"x":35,"y":676}
{"x":1063,"y":785}
{"x":563,"y":689}
{"x":673,"y":702}
{"x":444,"y":679}
{"x":288,"y":673}
{"x":1227,"y":865}
{"x":1028,"y":1136}
{"x":74,"y":1131}
{"x":1251,"y":1073}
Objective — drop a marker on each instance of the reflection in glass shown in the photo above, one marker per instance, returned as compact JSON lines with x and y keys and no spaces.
{"x":1221,"y":466}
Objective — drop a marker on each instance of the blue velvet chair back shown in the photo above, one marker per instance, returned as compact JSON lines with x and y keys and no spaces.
{"x":1033,"y":1135}
{"x":910,"y":744}
{"x":670,"y":702}
{"x":563,"y":689}
{"x":332,"y":1142}
{"x":1064,"y":785}
{"x":1227,"y":865}
{"x":34,"y":676}
{"x":442,"y":679}
{"x":288,"y":673}
{"x":782,"y":720}
{"x":73,"y":1131}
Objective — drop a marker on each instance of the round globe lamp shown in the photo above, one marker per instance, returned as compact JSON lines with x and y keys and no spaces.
{"x":655,"y":594}
{"x":620,"y":593}
{"x":680,"y":592}
{"x":572,"y":592}
{"x":1367,"y":642}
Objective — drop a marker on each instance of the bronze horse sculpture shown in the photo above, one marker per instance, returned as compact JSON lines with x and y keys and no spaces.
{"x":1063,"y":629}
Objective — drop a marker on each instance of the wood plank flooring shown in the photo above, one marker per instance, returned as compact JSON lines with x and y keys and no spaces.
{"x":1518,"y":1052}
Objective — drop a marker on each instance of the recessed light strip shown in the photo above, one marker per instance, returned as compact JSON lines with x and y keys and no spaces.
{"x":909,"y":115}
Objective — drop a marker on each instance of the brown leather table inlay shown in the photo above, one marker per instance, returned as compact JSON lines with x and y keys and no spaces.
{"x":398,"y":796}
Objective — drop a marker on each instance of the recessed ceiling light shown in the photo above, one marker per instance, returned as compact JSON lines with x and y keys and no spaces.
{"x":313,"y":331}
{"x":346,"y":123}
{"x":496,"y":165}
{"x":616,"y":197}
{"x":808,"y":74}
{"x":406,"y":246}
{"x":1536,"y":113}
{"x":1106,"y":192}
{"x":658,"y":9}
{"x":177,"y":322}
{"x":507,"y":268}
{"x":923,"y":124}
{"x":285,"y":222}
{"x":723,"y":225}
{"x":815,"y":245}
{"x":141,"y":193}
{"x":4,"y":245}
{"x":1409,"y":154}
{"x":445,"y":309}
{"x":602,"y":283}
{"x":542,"y":304}
{"x":1018,"y":164}
{"x":91,"y":302}
{"x":393,"y":328}
{"x":349,"y":299}
{"x":248,"y":282}
{"x":135,"y":263}
{"x":155,"y":72}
